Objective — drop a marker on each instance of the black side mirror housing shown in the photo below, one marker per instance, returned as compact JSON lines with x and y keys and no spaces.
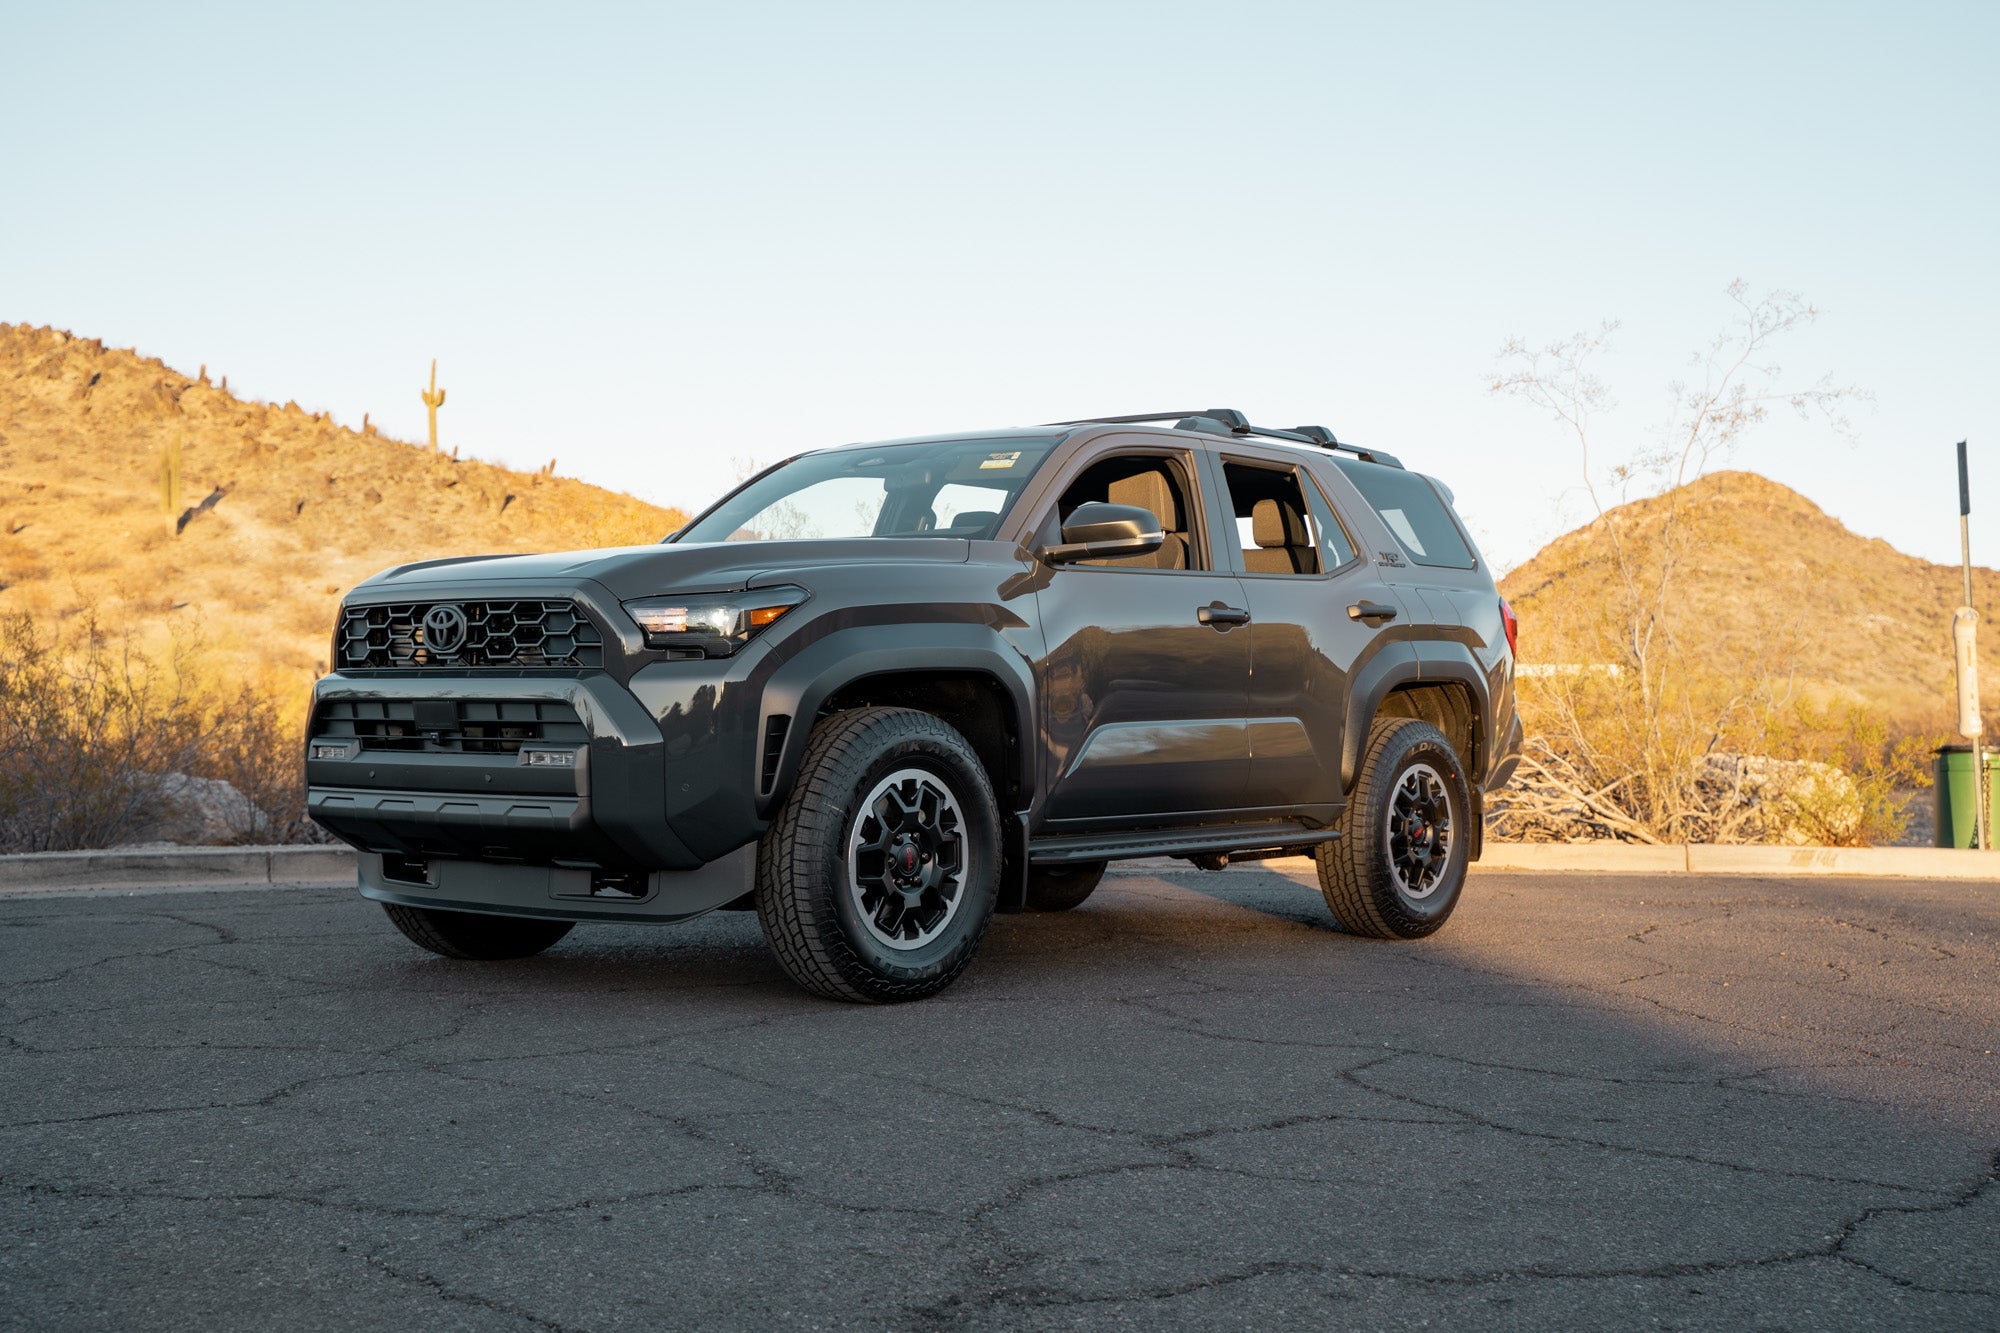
{"x":1097,"y":530}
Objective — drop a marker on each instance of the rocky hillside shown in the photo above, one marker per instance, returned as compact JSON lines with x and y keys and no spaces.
{"x":279,"y":510}
{"x":1770,"y":583}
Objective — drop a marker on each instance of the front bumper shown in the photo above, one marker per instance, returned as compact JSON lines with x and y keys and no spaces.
{"x":442,"y":797}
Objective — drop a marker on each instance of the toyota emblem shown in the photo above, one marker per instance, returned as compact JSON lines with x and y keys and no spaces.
{"x":444,"y":630}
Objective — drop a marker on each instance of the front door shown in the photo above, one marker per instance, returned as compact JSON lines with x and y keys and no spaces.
{"x":1148,"y":671}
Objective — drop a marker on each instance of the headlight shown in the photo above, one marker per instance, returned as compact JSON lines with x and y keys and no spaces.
{"x":716,"y":625}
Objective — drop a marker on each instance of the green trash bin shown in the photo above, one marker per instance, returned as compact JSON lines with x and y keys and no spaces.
{"x":1957,"y":798}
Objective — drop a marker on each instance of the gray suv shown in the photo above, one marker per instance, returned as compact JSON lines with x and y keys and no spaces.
{"x":882,"y":691}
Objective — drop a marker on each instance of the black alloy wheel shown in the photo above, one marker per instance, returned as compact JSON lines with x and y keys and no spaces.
{"x":906,"y":860}
{"x":1418,"y":832}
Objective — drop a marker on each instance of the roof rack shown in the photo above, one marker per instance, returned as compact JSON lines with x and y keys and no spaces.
{"x":1228,"y":421}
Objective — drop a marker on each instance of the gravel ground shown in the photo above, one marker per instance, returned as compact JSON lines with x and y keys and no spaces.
{"x":1591,"y":1101}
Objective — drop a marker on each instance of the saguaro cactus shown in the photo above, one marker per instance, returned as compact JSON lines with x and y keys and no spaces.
{"x":434,"y":399}
{"x":170,"y":480}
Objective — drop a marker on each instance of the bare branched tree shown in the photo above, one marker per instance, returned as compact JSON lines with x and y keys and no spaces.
{"x":1624,"y":748}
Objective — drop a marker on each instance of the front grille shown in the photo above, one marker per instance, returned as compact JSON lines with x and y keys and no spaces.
{"x":496,"y":634}
{"x":449,"y":726}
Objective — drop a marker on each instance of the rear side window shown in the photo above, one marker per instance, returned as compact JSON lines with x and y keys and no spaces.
{"x":1281,"y":528}
{"x":1413,"y":511}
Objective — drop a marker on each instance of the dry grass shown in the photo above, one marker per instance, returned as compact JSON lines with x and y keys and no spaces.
{"x":307,"y":509}
{"x":90,"y":722}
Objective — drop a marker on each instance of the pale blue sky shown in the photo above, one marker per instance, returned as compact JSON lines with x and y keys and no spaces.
{"x":653,"y":240}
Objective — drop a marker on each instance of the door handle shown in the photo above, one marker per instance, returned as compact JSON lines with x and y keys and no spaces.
{"x":1220,"y":616}
{"x":1374,"y":613}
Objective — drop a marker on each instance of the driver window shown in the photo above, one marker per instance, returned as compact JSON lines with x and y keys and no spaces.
{"x":1149,"y":481}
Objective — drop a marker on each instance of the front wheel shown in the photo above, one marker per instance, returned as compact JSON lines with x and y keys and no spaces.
{"x":475,"y":935}
{"x":1406,"y":837}
{"x":877,"y":879}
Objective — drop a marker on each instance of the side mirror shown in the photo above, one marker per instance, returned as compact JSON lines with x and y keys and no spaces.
{"x":1097,"y":530}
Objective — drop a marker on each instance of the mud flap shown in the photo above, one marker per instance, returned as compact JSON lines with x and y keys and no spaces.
{"x":1012,"y":895}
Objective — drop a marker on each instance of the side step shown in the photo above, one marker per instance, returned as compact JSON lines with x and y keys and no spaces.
{"x":1215,"y":840}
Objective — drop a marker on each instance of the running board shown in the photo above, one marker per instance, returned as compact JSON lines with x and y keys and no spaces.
{"x":1212,"y":841}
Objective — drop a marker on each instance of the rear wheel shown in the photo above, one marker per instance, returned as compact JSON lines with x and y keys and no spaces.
{"x":475,"y":934}
{"x":1398,"y":867}
{"x":1058,"y":888}
{"x":877,"y":879}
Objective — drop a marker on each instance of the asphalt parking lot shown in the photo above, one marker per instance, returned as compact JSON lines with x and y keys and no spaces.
{"x":1592,"y":1101}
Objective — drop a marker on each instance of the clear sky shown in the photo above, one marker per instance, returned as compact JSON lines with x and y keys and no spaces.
{"x":656,"y":242}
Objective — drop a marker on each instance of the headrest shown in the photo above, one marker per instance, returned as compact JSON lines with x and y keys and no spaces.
{"x":972,"y":518}
{"x":1148,"y":490}
{"x":1273,"y":525}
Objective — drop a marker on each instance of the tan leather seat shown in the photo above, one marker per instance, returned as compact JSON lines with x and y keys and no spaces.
{"x":1151,"y":490}
{"x":1283,"y":544}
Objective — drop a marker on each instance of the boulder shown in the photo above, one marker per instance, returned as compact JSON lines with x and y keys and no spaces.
{"x":198,"y":811}
{"x":1789,"y":801}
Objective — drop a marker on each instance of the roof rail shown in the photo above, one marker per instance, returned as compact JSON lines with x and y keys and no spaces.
{"x":1233,"y":422}
{"x":1227,"y":417}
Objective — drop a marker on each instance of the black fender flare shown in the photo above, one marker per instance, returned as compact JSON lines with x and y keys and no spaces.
{"x":1447,"y":663}
{"x":803,"y":684}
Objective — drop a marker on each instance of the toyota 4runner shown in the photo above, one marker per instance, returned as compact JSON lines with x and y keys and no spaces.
{"x":880,"y":692}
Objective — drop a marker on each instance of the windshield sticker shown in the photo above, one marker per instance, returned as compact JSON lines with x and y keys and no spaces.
{"x":1000,"y":462}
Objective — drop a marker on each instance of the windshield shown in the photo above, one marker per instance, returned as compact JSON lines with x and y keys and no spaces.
{"x":941,"y":488}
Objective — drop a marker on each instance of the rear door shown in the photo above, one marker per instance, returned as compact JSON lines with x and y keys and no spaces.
{"x":1148,"y":670}
{"x":1319,"y":611}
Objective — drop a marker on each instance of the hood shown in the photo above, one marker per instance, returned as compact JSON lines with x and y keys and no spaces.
{"x":640,"y":571}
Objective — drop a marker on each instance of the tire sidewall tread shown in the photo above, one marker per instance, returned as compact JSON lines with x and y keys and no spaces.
{"x":802,"y":893}
{"x":1354,"y":873}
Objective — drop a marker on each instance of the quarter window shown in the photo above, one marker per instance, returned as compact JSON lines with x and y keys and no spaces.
{"x":1413,"y":510}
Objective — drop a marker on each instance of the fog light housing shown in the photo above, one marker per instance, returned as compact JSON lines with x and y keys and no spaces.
{"x":334,"y":749}
{"x":549,"y":758}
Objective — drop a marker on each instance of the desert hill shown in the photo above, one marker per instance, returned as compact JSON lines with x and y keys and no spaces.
{"x":290,"y":509}
{"x":1768,"y":581}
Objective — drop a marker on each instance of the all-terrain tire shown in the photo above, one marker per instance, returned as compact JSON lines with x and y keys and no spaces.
{"x":1388,"y":876}
{"x":835,"y":931}
{"x":475,"y":935}
{"x":1060,"y":887}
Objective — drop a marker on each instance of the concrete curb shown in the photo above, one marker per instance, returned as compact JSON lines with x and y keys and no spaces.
{"x":1703,"y":859}
{"x":42,"y":871}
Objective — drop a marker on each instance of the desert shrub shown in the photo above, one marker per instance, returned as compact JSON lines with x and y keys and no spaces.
{"x":1705,"y":752}
{"x":91,"y":723}
{"x":1884,"y":762}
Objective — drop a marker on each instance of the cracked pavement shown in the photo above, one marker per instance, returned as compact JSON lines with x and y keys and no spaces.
{"x":1590,"y":1101}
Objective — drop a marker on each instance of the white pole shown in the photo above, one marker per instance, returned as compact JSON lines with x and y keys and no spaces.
{"x":1965,"y":655}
